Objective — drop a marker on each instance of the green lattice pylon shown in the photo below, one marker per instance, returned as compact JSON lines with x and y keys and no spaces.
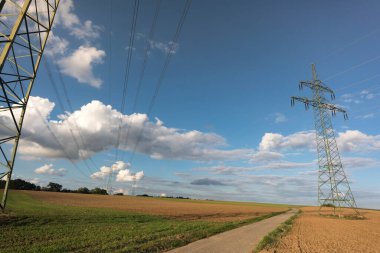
{"x":333,"y":186}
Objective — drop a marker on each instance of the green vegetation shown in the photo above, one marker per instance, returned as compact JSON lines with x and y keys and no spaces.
{"x":273,"y":238}
{"x":34,"y":226}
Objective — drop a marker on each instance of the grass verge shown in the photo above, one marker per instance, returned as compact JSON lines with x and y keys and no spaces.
{"x":272,"y":239}
{"x":35,"y":226}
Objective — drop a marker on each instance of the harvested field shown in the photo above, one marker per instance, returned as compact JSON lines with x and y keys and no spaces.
{"x":175,"y":208}
{"x":314,"y":233}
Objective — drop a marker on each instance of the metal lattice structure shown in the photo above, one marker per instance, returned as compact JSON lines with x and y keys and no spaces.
{"x":24,"y":29}
{"x":333,"y":186}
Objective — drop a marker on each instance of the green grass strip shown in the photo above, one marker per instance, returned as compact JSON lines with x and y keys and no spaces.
{"x":272,"y":239}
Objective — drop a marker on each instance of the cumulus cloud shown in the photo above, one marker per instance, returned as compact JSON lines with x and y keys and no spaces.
{"x":80,"y":64}
{"x":299,"y":140}
{"x":128,"y":176}
{"x":116,"y":167}
{"x":356,"y":141}
{"x":69,"y":20}
{"x":99,"y":126}
{"x":56,"y":46}
{"x":86,"y":31}
{"x":121,"y":169}
{"x":48,"y":169}
{"x":348,"y":141}
{"x":206,"y":181}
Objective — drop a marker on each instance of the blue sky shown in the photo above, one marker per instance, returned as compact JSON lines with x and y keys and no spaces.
{"x":222,"y":126}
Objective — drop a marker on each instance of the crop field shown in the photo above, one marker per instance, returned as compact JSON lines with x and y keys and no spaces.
{"x":67,"y":222}
{"x":314,"y":233}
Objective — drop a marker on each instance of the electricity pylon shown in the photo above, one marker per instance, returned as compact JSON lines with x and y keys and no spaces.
{"x":24,"y":29}
{"x":333,"y":186}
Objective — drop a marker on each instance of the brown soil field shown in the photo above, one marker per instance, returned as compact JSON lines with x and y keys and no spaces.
{"x":181,"y":209}
{"x":312,"y":232}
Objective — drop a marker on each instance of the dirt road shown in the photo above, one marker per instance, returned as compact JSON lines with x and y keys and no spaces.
{"x":240,"y":240}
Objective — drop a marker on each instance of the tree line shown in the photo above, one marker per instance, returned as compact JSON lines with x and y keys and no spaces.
{"x":19,"y":184}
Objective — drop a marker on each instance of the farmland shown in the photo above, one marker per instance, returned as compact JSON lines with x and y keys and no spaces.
{"x":314,"y":233}
{"x":62,"y":222}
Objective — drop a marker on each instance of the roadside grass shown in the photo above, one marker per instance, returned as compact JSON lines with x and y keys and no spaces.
{"x":272,"y":239}
{"x":34,"y":226}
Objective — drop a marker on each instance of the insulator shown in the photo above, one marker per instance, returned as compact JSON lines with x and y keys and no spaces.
{"x":306,"y":106}
{"x":332,"y":96}
{"x":292,"y":102}
{"x":300,"y":86}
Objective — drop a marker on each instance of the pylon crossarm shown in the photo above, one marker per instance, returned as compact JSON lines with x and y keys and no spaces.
{"x":318,"y":104}
{"x":317,"y":85}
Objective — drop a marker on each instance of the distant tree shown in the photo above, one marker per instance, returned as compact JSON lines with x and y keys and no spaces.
{"x":119,"y":194}
{"x":98,"y":190}
{"x":67,"y":190}
{"x":54,"y":187}
{"x":83,"y":190}
{"x":19,"y":184}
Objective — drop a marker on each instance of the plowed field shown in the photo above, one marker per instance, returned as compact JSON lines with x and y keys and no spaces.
{"x":181,"y":209}
{"x":314,"y":233}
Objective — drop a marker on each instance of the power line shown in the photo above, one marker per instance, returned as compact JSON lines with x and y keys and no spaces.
{"x":110,"y":50}
{"x":163,"y":71}
{"x":65,"y":93}
{"x":352,"y":68}
{"x":52,"y":133}
{"x":357,"y":83}
{"x":127,"y":71}
{"x":60,"y":103}
{"x":62,"y":147}
{"x":353,"y":42}
{"x":126,"y":79}
{"x":145,"y":61}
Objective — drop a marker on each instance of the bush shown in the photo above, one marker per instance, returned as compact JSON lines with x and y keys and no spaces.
{"x":98,"y":190}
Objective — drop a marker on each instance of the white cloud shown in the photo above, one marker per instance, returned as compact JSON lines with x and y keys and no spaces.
{"x":356,"y":141}
{"x":348,"y":141}
{"x":123,"y":174}
{"x":87,"y":31}
{"x":164,"y":47}
{"x":299,"y":140}
{"x":48,"y":169}
{"x":360,"y":162}
{"x":105,"y":170}
{"x":56,"y":46}
{"x":128,"y":176}
{"x":70,"y":21}
{"x":80,"y":63}
{"x":266,"y":156}
{"x":366,"y":116}
{"x":99,"y":126}
{"x":221,"y":169}
{"x":279,"y":118}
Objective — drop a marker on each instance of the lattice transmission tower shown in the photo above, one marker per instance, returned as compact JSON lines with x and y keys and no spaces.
{"x":333,"y":186}
{"x":24,"y":29}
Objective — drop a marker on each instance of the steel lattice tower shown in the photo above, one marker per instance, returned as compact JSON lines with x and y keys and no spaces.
{"x":333,"y":186}
{"x":24,"y":29}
